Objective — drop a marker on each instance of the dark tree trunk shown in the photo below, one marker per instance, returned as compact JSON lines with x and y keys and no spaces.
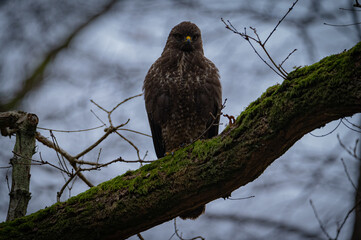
{"x":356,"y":235}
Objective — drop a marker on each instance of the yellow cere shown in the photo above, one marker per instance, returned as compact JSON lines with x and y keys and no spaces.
{"x":188,"y":38}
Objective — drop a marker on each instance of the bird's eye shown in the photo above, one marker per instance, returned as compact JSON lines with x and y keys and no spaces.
{"x":195,"y":37}
{"x":178,"y":36}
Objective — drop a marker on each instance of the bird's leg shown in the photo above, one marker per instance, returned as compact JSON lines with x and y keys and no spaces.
{"x":231,"y":119}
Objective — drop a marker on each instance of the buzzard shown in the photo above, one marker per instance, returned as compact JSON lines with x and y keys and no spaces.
{"x":183,"y":94}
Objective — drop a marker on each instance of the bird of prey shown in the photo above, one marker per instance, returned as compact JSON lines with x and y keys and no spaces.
{"x":183,"y":94}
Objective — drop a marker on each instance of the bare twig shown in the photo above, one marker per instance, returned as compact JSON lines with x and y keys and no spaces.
{"x":355,"y":130}
{"x":108,"y":130}
{"x":241,"y":198}
{"x":294,"y":50}
{"x":349,"y":9}
{"x":247,"y":37}
{"x":74,"y":160}
{"x":111,"y":111}
{"x":72,"y":176}
{"x":339,"y":228}
{"x":354,"y":125}
{"x":342,"y":25}
{"x":279,"y":22}
{"x":130,"y":143}
{"x":324,"y":135}
{"x":347,"y":174}
{"x":140,"y":236}
{"x":344,"y":220}
{"x":68,"y":131}
{"x":180,"y":235}
{"x":137,"y":132}
{"x":67,"y":156}
{"x":319,"y":220}
{"x":277,"y":68}
{"x":42,"y":162}
{"x":349,"y":151}
{"x":6,"y":167}
{"x":60,"y":158}
{"x":125,"y":100}
{"x":98,"y":117}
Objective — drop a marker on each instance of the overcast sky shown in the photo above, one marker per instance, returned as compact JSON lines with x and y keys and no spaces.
{"x":107,"y":62}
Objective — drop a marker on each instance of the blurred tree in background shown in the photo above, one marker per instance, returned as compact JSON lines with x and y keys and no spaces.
{"x":56,"y":55}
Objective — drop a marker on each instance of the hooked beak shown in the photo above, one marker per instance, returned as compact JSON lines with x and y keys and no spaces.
{"x":188,"y":39}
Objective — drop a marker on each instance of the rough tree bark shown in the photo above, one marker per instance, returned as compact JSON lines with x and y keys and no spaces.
{"x":356,"y":235}
{"x":309,"y":98}
{"x":24,"y":124}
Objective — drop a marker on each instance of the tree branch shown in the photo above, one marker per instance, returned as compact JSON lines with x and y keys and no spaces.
{"x":309,"y":98}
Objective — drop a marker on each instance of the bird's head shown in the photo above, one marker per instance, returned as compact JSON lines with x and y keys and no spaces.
{"x":186,"y":37}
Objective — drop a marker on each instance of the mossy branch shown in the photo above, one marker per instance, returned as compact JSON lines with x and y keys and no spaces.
{"x":309,"y":98}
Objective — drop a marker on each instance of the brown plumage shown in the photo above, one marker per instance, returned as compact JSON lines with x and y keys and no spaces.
{"x":182,"y":94}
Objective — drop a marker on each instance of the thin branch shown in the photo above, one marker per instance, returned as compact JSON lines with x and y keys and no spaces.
{"x":111,"y":111}
{"x":294,"y":50}
{"x":279,"y":22}
{"x":60,"y":158}
{"x":339,"y":228}
{"x":130,"y":142}
{"x":244,"y":35}
{"x":67,"y":156}
{"x":180,"y":235}
{"x":42,"y":162}
{"x":98,"y":117}
{"x":354,"y":125}
{"x":125,"y":100}
{"x":349,"y":9}
{"x":342,"y":25}
{"x":241,"y":198}
{"x":6,"y":167}
{"x":319,"y":221}
{"x":345,"y":219}
{"x":71,"y":131}
{"x":324,"y":135}
{"x":133,"y":131}
{"x":108,"y":130}
{"x":355,"y":130}
{"x":140,"y":236}
{"x":351,"y":152}
{"x":99,"y":165}
{"x":280,"y":70}
{"x":347,"y":174}
{"x":58,"y":194}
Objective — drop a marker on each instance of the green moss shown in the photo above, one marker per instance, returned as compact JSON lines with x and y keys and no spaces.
{"x":295,"y":92}
{"x":202,"y":149}
{"x":27,"y":226}
{"x":85,"y":196}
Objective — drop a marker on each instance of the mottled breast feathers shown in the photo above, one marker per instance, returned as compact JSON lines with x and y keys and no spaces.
{"x":182,"y":91}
